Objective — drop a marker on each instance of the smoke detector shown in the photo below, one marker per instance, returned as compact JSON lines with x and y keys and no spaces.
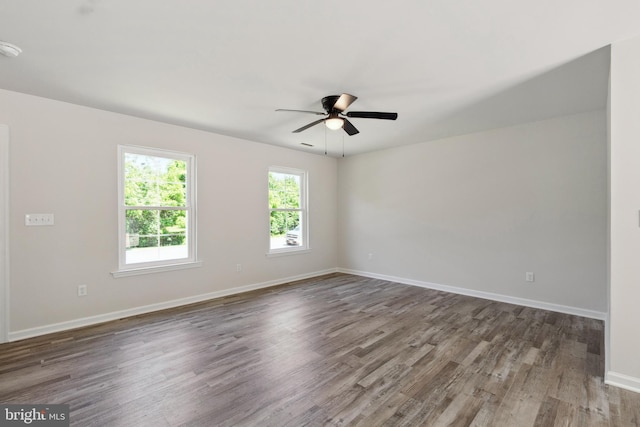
{"x":10,"y":50}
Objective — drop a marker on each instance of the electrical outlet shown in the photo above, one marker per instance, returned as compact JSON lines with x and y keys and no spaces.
{"x":238,"y":268}
{"x":370,"y":256}
{"x":82,"y":290}
{"x":529,"y":277}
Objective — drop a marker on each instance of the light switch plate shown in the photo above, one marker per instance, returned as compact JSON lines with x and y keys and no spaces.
{"x":38,"y":219}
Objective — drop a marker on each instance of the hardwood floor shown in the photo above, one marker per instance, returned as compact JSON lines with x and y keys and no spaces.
{"x":334,"y":350}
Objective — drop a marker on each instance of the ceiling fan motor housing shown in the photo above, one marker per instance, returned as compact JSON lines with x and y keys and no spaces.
{"x":329,"y":101}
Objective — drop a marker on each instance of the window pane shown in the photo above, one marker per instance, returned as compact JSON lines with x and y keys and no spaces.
{"x":286,"y":229}
{"x":154,"y":181}
{"x":284,"y":191}
{"x":174,"y":228}
{"x":155,"y":235}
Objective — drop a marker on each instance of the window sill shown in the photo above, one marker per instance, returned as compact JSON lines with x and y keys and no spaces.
{"x":158,"y":269}
{"x":288,"y":252}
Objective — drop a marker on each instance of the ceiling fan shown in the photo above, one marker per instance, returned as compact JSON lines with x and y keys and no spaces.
{"x":335,"y":117}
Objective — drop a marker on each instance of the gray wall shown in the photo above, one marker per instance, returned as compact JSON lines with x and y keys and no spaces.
{"x":63,"y":160}
{"x":475,"y":212}
{"x":478,"y":211}
{"x":624,"y":317}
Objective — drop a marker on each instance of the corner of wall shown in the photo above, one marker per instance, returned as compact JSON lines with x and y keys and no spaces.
{"x":4,"y":233}
{"x":622,"y":381}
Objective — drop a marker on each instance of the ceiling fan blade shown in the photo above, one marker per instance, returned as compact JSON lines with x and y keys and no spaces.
{"x":372,"y":115}
{"x":302,"y":111}
{"x":344,"y":101}
{"x":309,"y":125}
{"x":349,"y":128}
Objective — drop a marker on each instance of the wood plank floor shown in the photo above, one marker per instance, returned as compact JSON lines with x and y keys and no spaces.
{"x":334,"y":350}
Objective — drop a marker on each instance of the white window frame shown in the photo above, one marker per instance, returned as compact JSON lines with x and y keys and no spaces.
{"x":125,"y":269}
{"x":304,"y":212}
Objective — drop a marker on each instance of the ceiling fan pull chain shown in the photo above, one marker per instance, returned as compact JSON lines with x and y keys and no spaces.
{"x":325,"y":140}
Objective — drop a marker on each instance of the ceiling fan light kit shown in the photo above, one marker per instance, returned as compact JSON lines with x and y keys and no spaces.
{"x":334,"y":123}
{"x":10,"y":50}
{"x":335,"y":116}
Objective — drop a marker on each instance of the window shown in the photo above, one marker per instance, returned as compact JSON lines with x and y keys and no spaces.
{"x":156,"y":194}
{"x":287,"y":210}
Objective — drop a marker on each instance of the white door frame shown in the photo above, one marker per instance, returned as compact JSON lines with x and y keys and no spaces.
{"x":4,"y":233}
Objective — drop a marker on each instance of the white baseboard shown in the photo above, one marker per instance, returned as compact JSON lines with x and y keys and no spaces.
{"x":115,"y":315}
{"x":485,"y":295}
{"x":623,"y":381}
{"x":92,"y":320}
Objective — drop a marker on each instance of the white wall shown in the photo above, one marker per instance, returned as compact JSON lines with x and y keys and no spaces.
{"x":477,"y":211}
{"x":64,"y":161}
{"x":624,"y":315}
{"x":4,"y":232}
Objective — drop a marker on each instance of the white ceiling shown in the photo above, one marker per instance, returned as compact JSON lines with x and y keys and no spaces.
{"x":446,"y":67}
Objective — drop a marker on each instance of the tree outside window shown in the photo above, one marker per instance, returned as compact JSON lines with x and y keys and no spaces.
{"x":287,"y":210}
{"x":156,"y":207}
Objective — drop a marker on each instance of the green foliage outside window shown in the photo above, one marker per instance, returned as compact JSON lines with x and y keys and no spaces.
{"x":284,"y":194}
{"x":155,"y":182}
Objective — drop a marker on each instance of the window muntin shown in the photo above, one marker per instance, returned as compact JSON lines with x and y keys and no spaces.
{"x":157,"y":209}
{"x":287,"y":210}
